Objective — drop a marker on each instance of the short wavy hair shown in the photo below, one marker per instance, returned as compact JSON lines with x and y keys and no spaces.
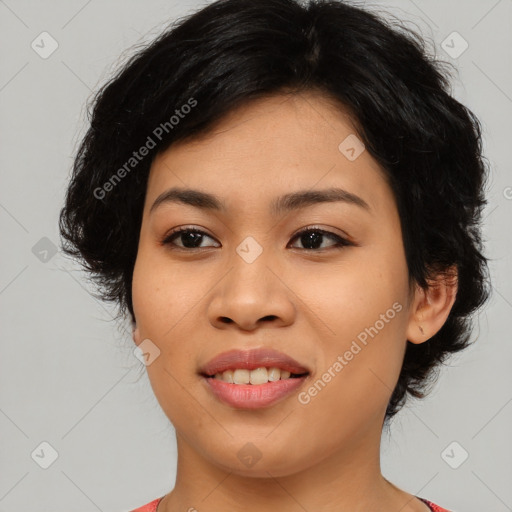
{"x":232,"y":51}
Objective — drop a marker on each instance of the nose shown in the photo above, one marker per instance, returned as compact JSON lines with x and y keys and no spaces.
{"x":252,"y":295}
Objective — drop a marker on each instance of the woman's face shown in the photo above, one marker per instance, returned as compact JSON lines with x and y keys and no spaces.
{"x":335,"y":298}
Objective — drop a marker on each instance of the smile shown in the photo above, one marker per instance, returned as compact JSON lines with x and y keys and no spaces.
{"x":253,"y":396}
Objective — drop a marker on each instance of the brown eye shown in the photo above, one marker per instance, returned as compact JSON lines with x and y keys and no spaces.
{"x":190,"y":238}
{"x":313,"y":238}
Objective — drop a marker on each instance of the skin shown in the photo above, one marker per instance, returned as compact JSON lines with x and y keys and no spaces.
{"x":324,"y":455}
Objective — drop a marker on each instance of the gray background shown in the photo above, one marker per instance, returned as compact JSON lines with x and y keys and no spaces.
{"x":67,"y":372}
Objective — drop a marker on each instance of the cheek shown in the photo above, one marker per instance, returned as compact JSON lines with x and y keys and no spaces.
{"x":162,"y":293}
{"x":161,"y":304}
{"x":351,"y":295}
{"x":359,"y":314}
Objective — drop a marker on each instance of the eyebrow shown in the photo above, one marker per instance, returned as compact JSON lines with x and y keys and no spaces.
{"x":280,"y":205}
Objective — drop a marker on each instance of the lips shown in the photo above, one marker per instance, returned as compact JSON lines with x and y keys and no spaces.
{"x":250,"y":360}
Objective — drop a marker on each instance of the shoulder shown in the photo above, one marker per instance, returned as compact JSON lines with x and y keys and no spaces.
{"x":150,"y":507}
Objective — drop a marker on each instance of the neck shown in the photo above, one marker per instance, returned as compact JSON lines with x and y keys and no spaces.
{"x":343,"y":481}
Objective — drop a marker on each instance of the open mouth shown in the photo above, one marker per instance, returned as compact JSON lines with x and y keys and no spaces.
{"x":254,"y":389}
{"x":255,"y":377}
{"x":252,"y":379}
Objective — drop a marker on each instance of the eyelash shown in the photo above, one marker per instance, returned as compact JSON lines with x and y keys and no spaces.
{"x":341,"y":242}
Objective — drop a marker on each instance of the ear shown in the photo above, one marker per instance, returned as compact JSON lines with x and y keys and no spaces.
{"x":135,"y":334}
{"x":431,"y":307}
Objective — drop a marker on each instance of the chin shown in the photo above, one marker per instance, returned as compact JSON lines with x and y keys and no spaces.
{"x":263,"y":462}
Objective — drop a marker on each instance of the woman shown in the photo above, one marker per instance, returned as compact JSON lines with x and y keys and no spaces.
{"x":287,"y":201}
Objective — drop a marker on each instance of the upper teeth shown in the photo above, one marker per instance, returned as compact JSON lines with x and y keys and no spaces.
{"x":258,"y":376}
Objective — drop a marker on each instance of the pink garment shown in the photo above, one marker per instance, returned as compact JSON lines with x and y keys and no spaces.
{"x":433,"y":506}
{"x":150,"y":507}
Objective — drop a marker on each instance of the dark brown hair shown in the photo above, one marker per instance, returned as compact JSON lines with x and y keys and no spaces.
{"x":231,"y":51}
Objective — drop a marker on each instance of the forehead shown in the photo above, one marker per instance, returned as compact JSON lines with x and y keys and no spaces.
{"x":268,"y":147}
